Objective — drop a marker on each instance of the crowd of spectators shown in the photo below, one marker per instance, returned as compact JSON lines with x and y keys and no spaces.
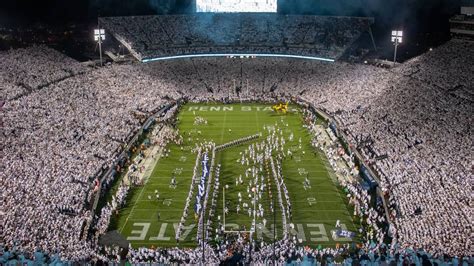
{"x":58,"y":139}
{"x":66,"y":127}
{"x":26,"y":69}
{"x":157,"y":36}
{"x":444,"y":67}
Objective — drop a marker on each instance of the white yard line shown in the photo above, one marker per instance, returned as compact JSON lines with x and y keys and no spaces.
{"x":154,"y":209}
{"x":223,"y":128}
{"x":332,"y":177}
{"x":256,"y":120}
{"x":143,"y":188}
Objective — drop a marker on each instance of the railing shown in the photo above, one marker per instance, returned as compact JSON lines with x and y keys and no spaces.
{"x":356,"y":153}
{"x":110,"y":172}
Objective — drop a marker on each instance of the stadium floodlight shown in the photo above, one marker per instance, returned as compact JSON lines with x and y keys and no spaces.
{"x":397,"y":38}
{"x":99,"y":36}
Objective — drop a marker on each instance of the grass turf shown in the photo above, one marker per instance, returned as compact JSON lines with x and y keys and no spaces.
{"x":315,"y":210}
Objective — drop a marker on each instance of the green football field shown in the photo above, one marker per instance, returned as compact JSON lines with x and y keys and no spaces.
{"x":146,"y":221}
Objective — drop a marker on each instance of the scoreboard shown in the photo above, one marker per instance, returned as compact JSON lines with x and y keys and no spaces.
{"x":227,"y":6}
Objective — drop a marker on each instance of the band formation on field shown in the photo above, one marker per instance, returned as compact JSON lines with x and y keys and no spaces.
{"x":235,"y":170}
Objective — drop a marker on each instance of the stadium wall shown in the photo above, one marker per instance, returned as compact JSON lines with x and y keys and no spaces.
{"x":365,"y":171}
{"x":110,"y":173}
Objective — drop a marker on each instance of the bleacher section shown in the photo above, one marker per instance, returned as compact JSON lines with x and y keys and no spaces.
{"x":63,"y":125}
{"x":149,"y":37}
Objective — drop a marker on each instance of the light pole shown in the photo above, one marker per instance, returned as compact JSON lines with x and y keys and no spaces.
{"x":99,"y":36}
{"x":397,"y":38}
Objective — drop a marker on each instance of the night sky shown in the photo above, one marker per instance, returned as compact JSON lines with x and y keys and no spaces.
{"x":385,"y":11}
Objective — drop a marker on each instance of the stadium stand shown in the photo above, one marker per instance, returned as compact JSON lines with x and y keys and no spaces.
{"x":20,"y":77}
{"x":64,"y":125}
{"x":150,"y":37}
{"x":442,"y":66}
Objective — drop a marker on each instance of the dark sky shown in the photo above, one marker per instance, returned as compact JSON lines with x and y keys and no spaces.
{"x":416,"y":17}
{"x":60,"y":11}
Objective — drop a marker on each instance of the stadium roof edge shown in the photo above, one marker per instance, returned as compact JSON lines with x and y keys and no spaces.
{"x":147,"y":60}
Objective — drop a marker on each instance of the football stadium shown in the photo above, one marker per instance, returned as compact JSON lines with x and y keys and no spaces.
{"x":236,"y":132}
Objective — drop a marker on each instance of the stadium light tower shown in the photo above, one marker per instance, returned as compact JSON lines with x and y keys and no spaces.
{"x":99,"y":36}
{"x":397,"y":38}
